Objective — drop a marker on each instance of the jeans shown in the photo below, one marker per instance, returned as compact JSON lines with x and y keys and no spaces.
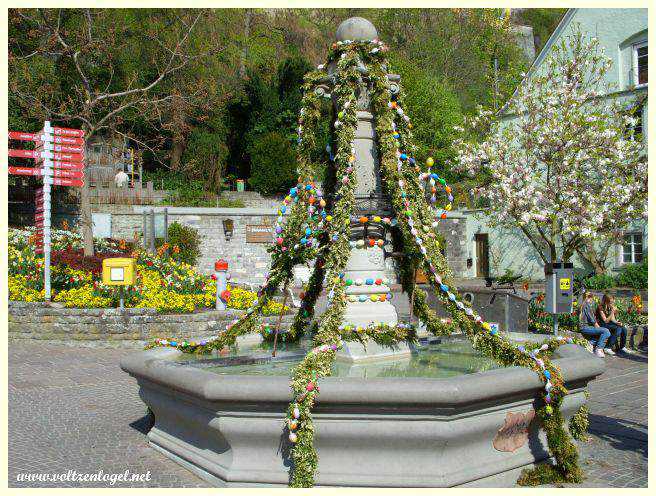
{"x":602,"y":332}
{"x":619,"y":333}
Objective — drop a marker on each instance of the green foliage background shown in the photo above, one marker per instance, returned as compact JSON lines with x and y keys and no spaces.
{"x":223,"y":105}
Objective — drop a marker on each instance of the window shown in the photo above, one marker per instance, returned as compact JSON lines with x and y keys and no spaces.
{"x":632,"y":248}
{"x":640,"y":64}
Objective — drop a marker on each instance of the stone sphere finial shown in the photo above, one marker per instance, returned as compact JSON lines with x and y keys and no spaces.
{"x":356,"y":28}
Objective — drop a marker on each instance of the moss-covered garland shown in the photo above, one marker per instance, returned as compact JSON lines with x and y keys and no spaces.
{"x":408,"y":197}
{"x":416,"y":238}
{"x":317,"y":364}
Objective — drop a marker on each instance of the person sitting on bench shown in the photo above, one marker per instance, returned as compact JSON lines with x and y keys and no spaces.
{"x":590,"y":328}
{"x":605,"y":314}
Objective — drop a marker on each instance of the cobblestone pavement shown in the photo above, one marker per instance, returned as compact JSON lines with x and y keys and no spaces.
{"x":74,"y":409}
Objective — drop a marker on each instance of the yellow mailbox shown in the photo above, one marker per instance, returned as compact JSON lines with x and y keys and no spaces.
{"x":119,"y":271}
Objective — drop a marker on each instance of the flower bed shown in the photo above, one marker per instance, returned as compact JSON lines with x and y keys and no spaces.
{"x":162,"y":282}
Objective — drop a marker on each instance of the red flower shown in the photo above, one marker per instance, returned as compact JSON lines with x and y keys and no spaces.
{"x":149,"y":263}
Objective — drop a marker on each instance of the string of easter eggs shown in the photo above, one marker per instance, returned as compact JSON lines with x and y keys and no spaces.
{"x":429,"y":179}
{"x":459,"y":304}
{"x":317,"y":364}
{"x":468,"y":311}
{"x":282,"y":259}
{"x":491,"y":344}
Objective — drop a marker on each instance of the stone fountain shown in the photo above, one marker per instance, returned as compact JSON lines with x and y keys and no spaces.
{"x":474,"y":429}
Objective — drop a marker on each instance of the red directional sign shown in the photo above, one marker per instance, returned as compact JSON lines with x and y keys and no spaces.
{"x":70,"y":157}
{"x":67,"y":131}
{"x":24,"y":153}
{"x":63,"y":140}
{"x":25,"y":171}
{"x":33,"y":171}
{"x":61,"y":181}
{"x":70,"y":149}
{"x":68,"y":141}
{"x":19,"y":135}
{"x":68,"y":173}
{"x":58,"y":164}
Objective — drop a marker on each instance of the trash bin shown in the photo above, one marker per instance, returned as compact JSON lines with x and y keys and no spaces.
{"x":240,"y":185}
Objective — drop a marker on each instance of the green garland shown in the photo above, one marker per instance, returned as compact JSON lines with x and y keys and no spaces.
{"x":416,"y":237}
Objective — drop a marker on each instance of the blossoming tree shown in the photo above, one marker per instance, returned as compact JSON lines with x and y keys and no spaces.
{"x":567,"y":169}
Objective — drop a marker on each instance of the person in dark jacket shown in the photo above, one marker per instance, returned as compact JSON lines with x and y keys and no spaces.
{"x":590,"y":328}
{"x":605,"y":314}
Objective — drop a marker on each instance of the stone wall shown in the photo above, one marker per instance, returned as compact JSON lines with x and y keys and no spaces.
{"x":250,"y":261}
{"x":113,"y":327}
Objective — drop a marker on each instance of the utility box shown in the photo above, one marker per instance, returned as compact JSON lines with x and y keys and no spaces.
{"x":559,"y":287}
{"x":119,"y":271}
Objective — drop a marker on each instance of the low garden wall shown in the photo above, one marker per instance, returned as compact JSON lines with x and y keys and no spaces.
{"x":113,"y":327}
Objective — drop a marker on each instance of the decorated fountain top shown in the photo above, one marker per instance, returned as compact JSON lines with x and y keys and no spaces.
{"x":356,"y":28}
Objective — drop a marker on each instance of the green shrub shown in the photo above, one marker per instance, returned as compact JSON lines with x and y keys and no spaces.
{"x":599,"y":281}
{"x":187,"y":239}
{"x":273,"y":164}
{"x":634,"y":275}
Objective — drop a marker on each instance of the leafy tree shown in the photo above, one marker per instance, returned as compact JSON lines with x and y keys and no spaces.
{"x":273,"y":164}
{"x":206,"y":153}
{"x":562,"y":168}
{"x":94,"y":68}
{"x":543,"y":22}
{"x":435,"y":109}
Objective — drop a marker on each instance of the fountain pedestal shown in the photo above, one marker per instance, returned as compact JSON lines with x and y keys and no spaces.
{"x":367,"y":263}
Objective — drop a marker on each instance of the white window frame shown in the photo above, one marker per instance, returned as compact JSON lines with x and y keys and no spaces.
{"x":634,"y":49}
{"x":642,"y":243}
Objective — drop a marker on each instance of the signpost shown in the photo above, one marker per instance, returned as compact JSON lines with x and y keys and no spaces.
{"x":59,"y":157}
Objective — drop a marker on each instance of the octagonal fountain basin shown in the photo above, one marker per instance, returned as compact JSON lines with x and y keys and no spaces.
{"x":438,"y":418}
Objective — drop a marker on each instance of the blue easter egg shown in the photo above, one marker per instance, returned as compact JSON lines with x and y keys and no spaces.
{"x":444,"y":287}
{"x":404,"y":156}
{"x":369,"y":281}
{"x":547,"y":374}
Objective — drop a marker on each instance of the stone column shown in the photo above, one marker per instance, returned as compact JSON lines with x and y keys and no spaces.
{"x":366,"y":264}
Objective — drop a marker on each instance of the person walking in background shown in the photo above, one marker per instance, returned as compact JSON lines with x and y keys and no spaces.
{"x":605,"y":314}
{"x":590,"y":328}
{"x":121,"y":178}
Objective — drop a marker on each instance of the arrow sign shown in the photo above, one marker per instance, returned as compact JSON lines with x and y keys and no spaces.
{"x":25,"y":171}
{"x":67,"y":182}
{"x":69,"y":157}
{"x":33,"y":171}
{"x":24,"y":153}
{"x":77,"y":166}
{"x":68,"y":173}
{"x":69,"y":149}
{"x":68,"y":141}
{"x":67,"y":131}
{"x":64,"y":140}
{"x":21,"y":136}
